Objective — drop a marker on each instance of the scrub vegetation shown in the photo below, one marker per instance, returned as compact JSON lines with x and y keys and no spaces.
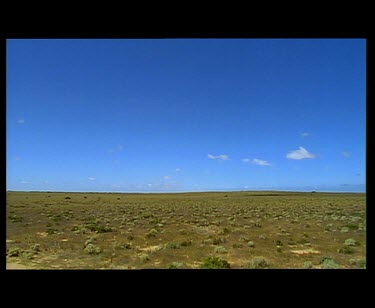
{"x":213,"y":230}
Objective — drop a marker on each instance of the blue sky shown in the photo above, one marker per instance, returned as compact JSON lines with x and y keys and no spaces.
{"x":186,"y":114}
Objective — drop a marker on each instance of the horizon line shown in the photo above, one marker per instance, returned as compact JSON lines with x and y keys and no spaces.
{"x":190,"y":191}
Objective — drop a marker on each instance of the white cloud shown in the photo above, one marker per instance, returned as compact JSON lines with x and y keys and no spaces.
{"x":301,"y":153}
{"x":256,"y":161}
{"x":178,"y":170}
{"x":20,"y":121}
{"x":25,"y":182}
{"x":260,"y":162}
{"x":149,"y":184}
{"x":305,"y":134}
{"x":166,"y":177}
{"x":346,"y":154}
{"x":220,"y":157}
{"x":91,"y":178}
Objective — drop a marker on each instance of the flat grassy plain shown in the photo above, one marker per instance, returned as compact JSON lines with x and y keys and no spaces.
{"x":275,"y":230}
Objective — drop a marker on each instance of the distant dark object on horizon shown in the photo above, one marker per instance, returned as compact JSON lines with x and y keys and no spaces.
{"x":313,"y":192}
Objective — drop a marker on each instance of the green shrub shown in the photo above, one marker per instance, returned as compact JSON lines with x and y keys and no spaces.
{"x":346,"y":250}
{"x":362,"y":263}
{"x":14,"y":252}
{"x":324,"y":258}
{"x":175,"y":265}
{"x":215,"y":263}
{"x":344,"y":229}
{"x":351,"y":226}
{"x":244,"y":238}
{"x":251,"y":244}
{"x":186,"y":243}
{"x":93,"y":226}
{"x":237,"y":245}
{"x":330,"y":264}
{"x":259,"y":262}
{"x":351,"y":242}
{"x":217,"y":240}
{"x":172,"y":245}
{"x":92,"y":249}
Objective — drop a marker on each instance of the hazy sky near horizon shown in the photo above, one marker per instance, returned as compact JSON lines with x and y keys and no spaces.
{"x":186,"y":114}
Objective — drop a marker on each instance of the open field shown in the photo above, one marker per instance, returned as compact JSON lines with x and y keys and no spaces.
{"x":135,"y":231}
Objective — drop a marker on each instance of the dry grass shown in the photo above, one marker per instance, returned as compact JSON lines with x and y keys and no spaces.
{"x":135,"y":231}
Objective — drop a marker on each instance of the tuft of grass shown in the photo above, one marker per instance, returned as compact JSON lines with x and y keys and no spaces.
{"x":346,"y":250}
{"x":224,"y":231}
{"x":15,"y":218}
{"x":51,"y":231}
{"x":220,"y":249}
{"x":144,"y":257}
{"x":308,"y":265}
{"x":215,"y":263}
{"x":35,"y":248}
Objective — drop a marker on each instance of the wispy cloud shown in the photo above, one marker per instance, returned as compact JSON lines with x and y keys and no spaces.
{"x":256,"y":161}
{"x":220,"y":157}
{"x":305,"y":134}
{"x":25,"y":182}
{"x":20,"y":121}
{"x":166,"y":177}
{"x":301,"y":153}
{"x":346,"y":154}
{"x":260,"y":162}
{"x":117,"y":149}
{"x":91,"y":178}
{"x":116,"y":186}
{"x":178,"y":170}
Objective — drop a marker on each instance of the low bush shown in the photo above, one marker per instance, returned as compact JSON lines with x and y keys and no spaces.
{"x":215,"y":263}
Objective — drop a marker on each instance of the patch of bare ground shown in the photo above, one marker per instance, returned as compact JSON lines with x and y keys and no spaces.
{"x":306,"y":251}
